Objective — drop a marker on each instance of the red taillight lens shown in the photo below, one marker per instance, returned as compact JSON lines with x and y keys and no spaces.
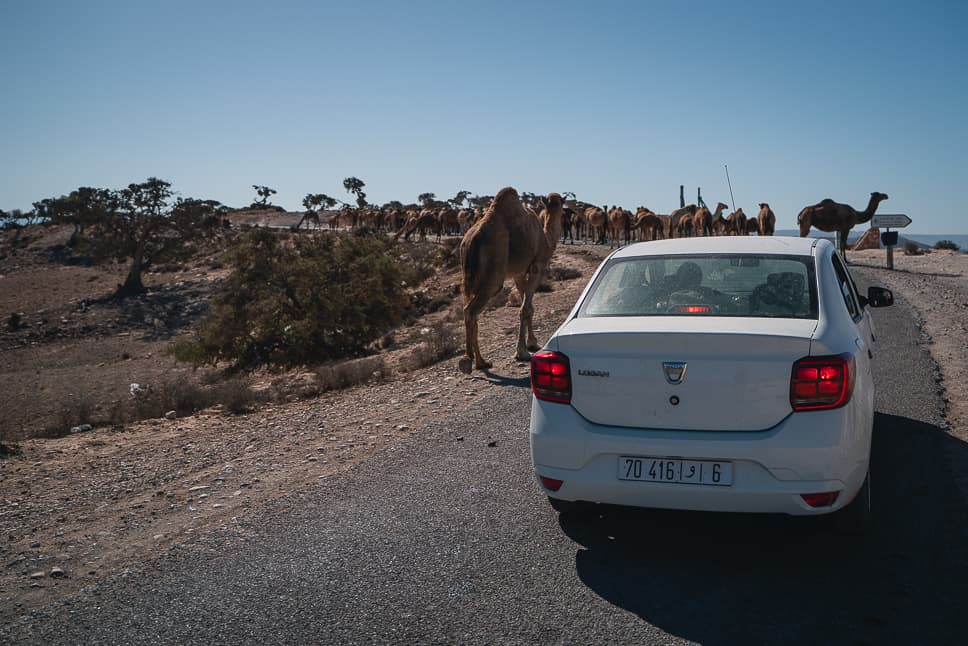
{"x":820,"y":383}
{"x":820,"y":499}
{"x":551,"y":484}
{"x":551,"y":376}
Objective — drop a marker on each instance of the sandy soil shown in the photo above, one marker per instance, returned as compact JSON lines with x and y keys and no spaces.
{"x":92,"y":504}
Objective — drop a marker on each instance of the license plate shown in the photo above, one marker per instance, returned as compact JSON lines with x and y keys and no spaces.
{"x":706,"y":472}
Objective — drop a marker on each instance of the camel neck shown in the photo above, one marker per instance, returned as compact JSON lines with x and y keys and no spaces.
{"x":869,"y":211}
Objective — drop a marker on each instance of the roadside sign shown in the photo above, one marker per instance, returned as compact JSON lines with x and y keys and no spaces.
{"x":890,"y":221}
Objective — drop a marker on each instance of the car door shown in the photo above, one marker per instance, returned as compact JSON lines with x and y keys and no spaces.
{"x":861,"y":327}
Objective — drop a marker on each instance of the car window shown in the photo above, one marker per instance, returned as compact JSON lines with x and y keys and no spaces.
{"x":846,"y":286}
{"x":746,"y":285}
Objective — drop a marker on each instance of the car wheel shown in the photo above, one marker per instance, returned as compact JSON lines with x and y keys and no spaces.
{"x":563,"y":506}
{"x":855,"y":518}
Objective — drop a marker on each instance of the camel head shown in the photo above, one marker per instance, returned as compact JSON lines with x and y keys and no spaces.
{"x":764,"y":205}
{"x":877,"y":198}
{"x":551,"y":203}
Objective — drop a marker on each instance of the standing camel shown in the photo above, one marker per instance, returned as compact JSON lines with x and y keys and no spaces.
{"x":597,"y":221}
{"x":509,"y":241}
{"x":680,"y":221}
{"x":833,"y":216}
{"x":765,"y":220}
{"x":737,"y":222}
{"x":648,"y":223}
{"x":703,"y":220}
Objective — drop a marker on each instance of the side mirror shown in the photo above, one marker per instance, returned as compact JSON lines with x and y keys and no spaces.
{"x":879,"y":297}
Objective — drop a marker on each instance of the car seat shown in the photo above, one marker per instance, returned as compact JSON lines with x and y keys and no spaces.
{"x":781,"y":294}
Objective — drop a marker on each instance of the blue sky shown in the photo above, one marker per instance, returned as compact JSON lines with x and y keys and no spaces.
{"x":619,"y":102}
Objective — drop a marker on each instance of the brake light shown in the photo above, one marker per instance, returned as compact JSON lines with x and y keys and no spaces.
{"x":692,"y":309}
{"x":822,"y":383}
{"x":551,"y":376}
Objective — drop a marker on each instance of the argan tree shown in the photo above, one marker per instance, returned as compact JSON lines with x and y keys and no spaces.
{"x":264,"y":193}
{"x":355,"y":186}
{"x":458,"y":200}
{"x":427,"y":200}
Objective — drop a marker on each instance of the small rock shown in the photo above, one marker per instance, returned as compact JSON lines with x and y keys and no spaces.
{"x":198,"y":488}
{"x":38,"y":575}
{"x":492,"y":443}
{"x":171,"y":415}
{"x":83,"y":428}
{"x":403,"y":427}
{"x":57,"y":573}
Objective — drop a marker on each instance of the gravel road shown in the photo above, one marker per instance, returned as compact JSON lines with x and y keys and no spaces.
{"x":445,"y":538}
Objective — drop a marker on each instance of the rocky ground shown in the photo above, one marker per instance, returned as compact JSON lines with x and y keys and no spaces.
{"x":81,"y":507}
{"x":93,"y":503}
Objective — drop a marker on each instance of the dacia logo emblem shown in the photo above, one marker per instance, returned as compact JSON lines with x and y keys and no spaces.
{"x":674,"y":371}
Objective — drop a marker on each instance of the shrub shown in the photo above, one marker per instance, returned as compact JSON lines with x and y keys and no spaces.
{"x":946,"y":244}
{"x":912,"y":249}
{"x":299,"y":300}
{"x":437,"y":342}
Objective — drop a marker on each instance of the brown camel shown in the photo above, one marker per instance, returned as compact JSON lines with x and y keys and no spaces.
{"x":509,"y":241}
{"x":833,"y":216}
{"x":737,"y":222}
{"x":648,"y":223}
{"x":423,"y":221}
{"x":702,"y":222}
{"x":308,"y":216}
{"x":619,"y":226}
{"x":597,"y":221}
{"x":765,"y":220}
{"x":680,"y":220}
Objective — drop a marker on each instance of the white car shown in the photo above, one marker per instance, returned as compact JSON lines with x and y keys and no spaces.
{"x":712,"y":374}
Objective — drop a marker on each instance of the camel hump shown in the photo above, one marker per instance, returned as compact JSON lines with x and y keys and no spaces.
{"x":506,"y":194}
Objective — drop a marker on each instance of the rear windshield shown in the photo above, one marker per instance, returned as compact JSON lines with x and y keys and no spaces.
{"x":747,"y":285}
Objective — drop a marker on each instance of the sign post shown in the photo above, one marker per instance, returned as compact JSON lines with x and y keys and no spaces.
{"x":889,"y":238}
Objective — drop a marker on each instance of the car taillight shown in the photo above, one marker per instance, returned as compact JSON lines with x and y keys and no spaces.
{"x":551,"y":376}
{"x":821,"y":383}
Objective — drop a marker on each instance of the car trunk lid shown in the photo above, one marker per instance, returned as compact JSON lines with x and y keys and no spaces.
{"x":735,"y":372}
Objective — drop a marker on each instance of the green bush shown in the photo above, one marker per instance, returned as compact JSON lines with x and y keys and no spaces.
{"x":946,"y":244}
{"x":299,"y":300}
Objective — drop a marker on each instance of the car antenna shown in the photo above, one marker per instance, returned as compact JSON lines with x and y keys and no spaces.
{"x":728,"y":183}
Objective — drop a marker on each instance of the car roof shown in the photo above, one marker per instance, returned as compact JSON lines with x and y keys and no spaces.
{"x":780,"y":245}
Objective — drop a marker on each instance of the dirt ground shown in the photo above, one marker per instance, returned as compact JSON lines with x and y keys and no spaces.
{"x":91,"y":504}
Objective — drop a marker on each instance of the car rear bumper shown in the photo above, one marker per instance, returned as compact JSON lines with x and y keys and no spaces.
{"x":816,"y":452}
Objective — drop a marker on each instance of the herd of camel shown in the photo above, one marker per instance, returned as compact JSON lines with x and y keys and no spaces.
{"x":516,"y":240}
{"x":513,"y":241}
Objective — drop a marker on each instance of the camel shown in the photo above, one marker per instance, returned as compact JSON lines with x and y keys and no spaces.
{"x":620,"y":225}
{"x":680,"y":220}
{"x":509,"y":241}
{"x":597,"y":221}
{"x":737,"y":222}
{"x":447,"y":220}
{"x":648,"y":223}
{"x":426,"y":219}
{"x":308,"y":216}
{"x":833,"y":216}
{"x":765,"y":220}
{"x":567,"y":216}
{"x":702,"y":222}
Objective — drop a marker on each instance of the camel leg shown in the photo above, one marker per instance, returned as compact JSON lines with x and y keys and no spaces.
{"x":527,"y":285}
{"x":472,"y":311}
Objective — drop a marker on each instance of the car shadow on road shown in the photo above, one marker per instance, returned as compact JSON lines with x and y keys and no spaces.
{"x":717,"y":578}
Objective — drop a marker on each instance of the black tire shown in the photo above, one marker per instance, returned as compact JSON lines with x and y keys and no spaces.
{"x":855,"y":518}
